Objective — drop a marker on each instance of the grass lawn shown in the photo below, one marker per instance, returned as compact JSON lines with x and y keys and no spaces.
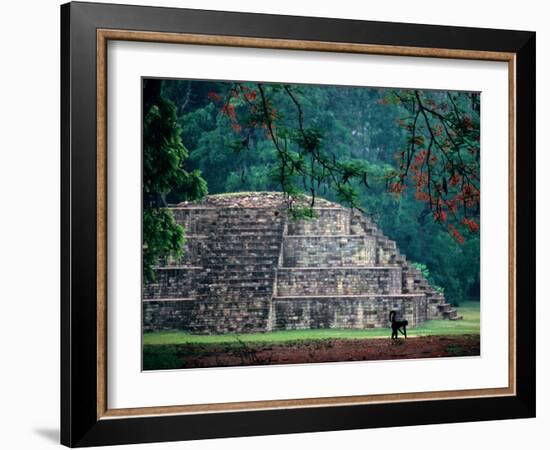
{"x":469,"y":325}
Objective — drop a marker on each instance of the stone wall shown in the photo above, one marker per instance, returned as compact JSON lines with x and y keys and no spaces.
{"x":167,"y":315}
{"x":326,"y":250}
{"x":173,"y":282}
{"x":329,"y":221}
{"x":291,"y":313}
{"x":338,"y":281}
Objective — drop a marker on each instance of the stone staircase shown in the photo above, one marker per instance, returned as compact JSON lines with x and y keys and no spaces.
{"x":247,"y":268}
{"x":340,"y":271}
{"x":228,"y":266}
{"x":412,"y":279}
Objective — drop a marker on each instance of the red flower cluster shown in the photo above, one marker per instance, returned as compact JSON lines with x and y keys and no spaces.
{"x":455,"y":179}
{"x":455,"y":234}
{"x":471,"y":224}
{"x":468,"y":122}
{"x":397,"y":187}
{"x":214,"y":96}
{"x":250,"y":96}
{"x":440,"y":216}
{"x":421,"y":196}
{"x":453,"y":207}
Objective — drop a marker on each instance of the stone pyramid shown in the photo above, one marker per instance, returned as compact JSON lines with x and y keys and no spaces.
{"x":248,"y":267}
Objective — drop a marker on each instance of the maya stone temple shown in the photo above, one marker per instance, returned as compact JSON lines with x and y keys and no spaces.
{"x":248,"y":267}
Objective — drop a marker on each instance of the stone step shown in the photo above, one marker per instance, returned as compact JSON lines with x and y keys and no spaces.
{"x":245,"y":287}
{"x":251,"y":245}
{"x":349,"y":296}
{"x":236,"y":258}
{"x":235,"y":246}
{"x":236,"y":269}
{"x":253,"y":303}
{"x":451,"y":314}
{"x":445,"y":307}
{"x":238,"y":221}
{"x":228,"y":293}
{"x":241,"y":281}
{"x":170,"y":299}
{"x":239,"y":256}
{"x":230,"y":232}
{"x":224,"y":219}
{"x":178,"y":268}
{"x":242,"y":270}
{"x":217,"y":257}
{"x":240,"y":227}
{"x":235,"y":283}
{"x":233,"y":297}
{"x":218,"y":265}
{"x":229,"y":237}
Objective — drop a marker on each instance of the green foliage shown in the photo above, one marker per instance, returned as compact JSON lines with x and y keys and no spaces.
{"x":423,"y":268}
{"x":163,"y":238}
{"x":163,"y":151}
{"x":164,"y":175}
{"x":344,"y":144}
{"x":164,"y":154}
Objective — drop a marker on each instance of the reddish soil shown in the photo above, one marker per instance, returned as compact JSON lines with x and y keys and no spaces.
{"x":193,"y":356}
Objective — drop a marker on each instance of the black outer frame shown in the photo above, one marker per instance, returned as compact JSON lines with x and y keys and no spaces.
{"x":79,"y":423}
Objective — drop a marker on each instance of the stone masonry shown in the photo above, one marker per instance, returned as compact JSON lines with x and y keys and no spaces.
{"x":248,"y":267}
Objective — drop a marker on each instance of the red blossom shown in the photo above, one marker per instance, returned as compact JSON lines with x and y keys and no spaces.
{"x":455,"y":179}
{"x":451,"y":204}
{"x":250,"y":96}
{"x":471,"y":224}
{"x":468,"y":122}
{"x":440,"y":216}
{"x":422,"y":196}
{"x":397,"y":187}
{"x":420,"y":158}
{"x":214,"y":96}
{"x":229,"y":110}
{"x":455,"y":234}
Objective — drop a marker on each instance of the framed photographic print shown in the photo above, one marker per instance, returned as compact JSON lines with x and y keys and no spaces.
{"x":276,"y":224}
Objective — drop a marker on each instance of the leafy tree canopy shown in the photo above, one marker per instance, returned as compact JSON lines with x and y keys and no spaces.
{"x":164,"y":172}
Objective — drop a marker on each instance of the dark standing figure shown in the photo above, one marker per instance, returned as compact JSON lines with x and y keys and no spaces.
{"x":398,"y":325}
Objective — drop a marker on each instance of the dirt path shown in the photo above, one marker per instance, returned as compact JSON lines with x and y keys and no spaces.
{"x":193,"y":356}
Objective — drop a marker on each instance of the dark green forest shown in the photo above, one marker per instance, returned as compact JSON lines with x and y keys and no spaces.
{"x":407,"y":158}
